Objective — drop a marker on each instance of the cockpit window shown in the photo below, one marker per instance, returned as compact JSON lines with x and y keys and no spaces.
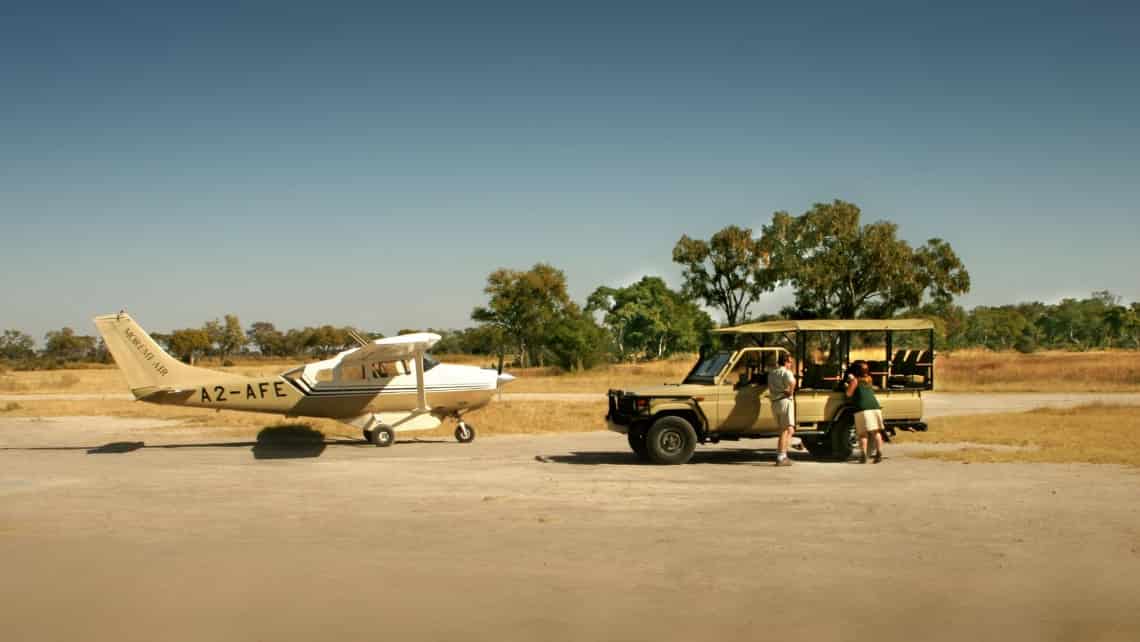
{"x":708,"y":368}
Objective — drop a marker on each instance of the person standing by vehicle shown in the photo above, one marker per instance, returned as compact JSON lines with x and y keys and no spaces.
{"x":781,"y":387}
{"x":868,"y":413}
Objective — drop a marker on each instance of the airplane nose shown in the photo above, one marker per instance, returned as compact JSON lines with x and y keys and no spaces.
{"x":505,"y":378}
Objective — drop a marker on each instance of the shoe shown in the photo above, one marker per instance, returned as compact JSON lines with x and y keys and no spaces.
{"x":783,"y":462}
{"x":878,"y":458}
{"x":862,"y":459}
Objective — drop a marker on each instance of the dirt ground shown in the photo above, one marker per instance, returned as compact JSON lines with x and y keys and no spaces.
{"x":115,"y":529}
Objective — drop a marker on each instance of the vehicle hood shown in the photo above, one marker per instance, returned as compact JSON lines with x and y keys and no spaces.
{"x":674,"y":390}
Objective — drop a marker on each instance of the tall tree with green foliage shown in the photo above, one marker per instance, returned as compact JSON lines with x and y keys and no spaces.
{"x":649,"y":320}
{"x":839,"y":267}
{"x":575,"y":341}
{"x":729,"y":271}
{"x":522,"y":305}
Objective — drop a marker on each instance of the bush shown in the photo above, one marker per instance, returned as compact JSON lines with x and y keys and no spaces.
{"x":1025,"y":345}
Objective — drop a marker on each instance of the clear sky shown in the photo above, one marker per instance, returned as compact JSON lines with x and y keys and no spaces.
{"x":370,"y":163}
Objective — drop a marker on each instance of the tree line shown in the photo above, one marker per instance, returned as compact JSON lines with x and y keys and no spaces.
{"x":836,"y":266}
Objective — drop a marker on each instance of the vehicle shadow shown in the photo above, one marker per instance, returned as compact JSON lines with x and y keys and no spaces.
{"x":736,"y":456}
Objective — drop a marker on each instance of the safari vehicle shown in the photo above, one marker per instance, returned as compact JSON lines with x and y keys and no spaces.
{"x":725,"y":395}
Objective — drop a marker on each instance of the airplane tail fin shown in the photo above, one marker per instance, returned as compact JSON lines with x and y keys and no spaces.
{"x":146,"y":366}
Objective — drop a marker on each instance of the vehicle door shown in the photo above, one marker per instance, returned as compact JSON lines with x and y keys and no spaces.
{"x":742,"y":400}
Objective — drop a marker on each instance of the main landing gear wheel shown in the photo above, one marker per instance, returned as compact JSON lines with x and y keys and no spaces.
{"x":382,"y":436}
{"x":464,"y":433}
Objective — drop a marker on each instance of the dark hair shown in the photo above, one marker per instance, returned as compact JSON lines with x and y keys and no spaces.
{"x":862,"y":368}
{"x":782,"y":359}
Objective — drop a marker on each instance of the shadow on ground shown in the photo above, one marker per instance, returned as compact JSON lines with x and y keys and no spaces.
{"x":754,"y":456}
{"x":294,"y":441}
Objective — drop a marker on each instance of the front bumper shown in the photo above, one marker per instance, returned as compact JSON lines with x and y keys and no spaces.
{"x":621,"y":412}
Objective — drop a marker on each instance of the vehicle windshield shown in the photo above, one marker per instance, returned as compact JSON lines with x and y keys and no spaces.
{"x":708,"y":368}
{"x":429,"y":362}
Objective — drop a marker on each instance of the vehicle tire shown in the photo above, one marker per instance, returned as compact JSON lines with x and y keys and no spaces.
{"x":382,"y":436}
{"x":819,"y":448}
{"x":670,"y":440}
{"x":464,"y":433}
{"x":636,"y":437}
{"x":842,"y":437}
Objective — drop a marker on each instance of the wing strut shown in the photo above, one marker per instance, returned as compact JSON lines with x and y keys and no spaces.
{"x":421,"y":394}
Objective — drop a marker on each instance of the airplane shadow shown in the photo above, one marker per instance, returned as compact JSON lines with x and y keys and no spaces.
{"x":293,"y":441}
{"x":738,"y":456}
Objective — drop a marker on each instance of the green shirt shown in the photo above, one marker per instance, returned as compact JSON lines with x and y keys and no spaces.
{"x":864,"y":398}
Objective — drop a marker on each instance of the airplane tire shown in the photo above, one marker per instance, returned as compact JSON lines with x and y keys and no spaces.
{"x":464,"y":433}
{"x":382,"y":436}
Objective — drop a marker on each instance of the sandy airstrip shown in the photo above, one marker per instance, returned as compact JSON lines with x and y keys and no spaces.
{"x":116,"y":529}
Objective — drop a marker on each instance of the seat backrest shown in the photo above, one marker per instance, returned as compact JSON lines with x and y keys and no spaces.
{"x":927,"y":357}
{"x":900,"y":357}
{"x":908,"y":367}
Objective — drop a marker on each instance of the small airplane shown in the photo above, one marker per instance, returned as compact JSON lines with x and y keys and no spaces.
{"x":379,"y":387}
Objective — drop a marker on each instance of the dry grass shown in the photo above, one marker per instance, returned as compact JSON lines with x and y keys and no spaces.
{"x":496,"y":419}
{"x":1095,"y":434}
{"x":625,"y":375}
{"x":959,"y":371}
{"x":986,"y":371}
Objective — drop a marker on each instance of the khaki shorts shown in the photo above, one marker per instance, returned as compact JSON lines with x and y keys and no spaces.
{"x":784,"y":412}
{"x":868,"y":421}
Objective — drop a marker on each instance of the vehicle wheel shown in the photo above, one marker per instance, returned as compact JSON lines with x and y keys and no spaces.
{"x":842,"y":437}
{"x":367,"y":435}
{"x":464,"y":433}
{"x":636,"y":437}
{"x":382,"y":436}
{"x":671,"y":440}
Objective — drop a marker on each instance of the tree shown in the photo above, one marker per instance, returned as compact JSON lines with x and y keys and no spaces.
{"x":226,"y":336}
{"x":729,"y":271}
{"x":65,"y":345}
{"x":15,"y":345}
{"x":268,"y":339}
{"x":522,"y":305}
{"x":190,"y":344}
{"x":840,"y":268}
{"x":576,"y":342}
{"x":649,"y":320}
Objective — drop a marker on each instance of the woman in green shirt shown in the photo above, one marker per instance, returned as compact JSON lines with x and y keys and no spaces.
{"x":868,"y":413}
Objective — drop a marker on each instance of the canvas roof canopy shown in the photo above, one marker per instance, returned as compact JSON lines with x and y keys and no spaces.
{"x":828,"y":325}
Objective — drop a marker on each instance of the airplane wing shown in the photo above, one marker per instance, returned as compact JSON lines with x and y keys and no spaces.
{"x":401,"y":348}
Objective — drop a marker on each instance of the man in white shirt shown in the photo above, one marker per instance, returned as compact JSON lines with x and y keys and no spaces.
{"x":781,"y":388}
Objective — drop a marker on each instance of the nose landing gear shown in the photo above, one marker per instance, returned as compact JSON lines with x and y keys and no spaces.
{"x":464,"y":432}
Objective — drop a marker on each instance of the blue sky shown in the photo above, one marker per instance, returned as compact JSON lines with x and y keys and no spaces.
{"x":370,"y":163}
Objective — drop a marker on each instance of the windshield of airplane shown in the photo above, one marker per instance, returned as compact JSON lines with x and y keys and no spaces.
{"x":708,"y":368}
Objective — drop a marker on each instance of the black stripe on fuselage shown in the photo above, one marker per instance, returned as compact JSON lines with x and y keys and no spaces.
{"x":306,"y":390}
